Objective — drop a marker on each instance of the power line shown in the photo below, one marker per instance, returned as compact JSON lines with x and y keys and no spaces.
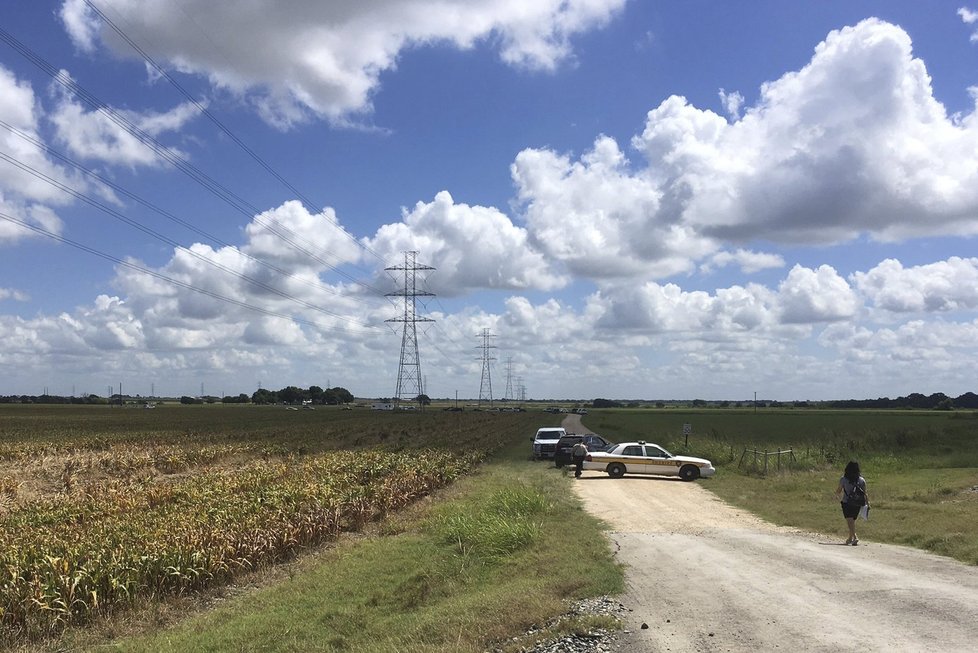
{"x":136,"y":225}
{"x":179,"y":162}
{"x":220,"y":125}
{"x":147,"y":204}
{"x":168,"y":279}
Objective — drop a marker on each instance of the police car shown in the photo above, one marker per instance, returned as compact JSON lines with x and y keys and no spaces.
{"x":647,"y":458}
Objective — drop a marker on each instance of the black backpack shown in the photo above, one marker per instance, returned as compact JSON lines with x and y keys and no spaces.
{"x":858,"y":495}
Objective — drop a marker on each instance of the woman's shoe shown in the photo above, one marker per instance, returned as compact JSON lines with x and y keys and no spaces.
{"x":849,"y":541}
{"x":855,"y":541}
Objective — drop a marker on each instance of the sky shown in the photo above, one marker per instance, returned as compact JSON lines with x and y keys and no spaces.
{"x":634,"y":199}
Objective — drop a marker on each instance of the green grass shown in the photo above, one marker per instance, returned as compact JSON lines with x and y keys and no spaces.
{"x":497,"y":553}
{"x":921,"y":467}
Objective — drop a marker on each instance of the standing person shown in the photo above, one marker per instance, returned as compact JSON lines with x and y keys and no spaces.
{"x":579,"y":452}
{"x":852,"y":491}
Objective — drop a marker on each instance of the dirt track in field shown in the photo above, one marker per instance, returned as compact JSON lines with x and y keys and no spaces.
{"x":705,"y":576}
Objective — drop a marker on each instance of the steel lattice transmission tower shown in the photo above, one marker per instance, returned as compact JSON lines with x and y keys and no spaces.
{"x":485,"y":386}
{"x":410,"y":383}
{"x":508,"y":394}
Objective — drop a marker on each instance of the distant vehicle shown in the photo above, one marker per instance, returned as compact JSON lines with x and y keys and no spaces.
{"x":563,"y":454}
{"x":647,"y":458}
{"x":545,"y":441}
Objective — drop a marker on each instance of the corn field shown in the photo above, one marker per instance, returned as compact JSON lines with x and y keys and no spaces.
{"x":98,"y":526}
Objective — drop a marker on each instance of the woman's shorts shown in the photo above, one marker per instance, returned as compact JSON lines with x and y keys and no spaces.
{"x":849,"y":511}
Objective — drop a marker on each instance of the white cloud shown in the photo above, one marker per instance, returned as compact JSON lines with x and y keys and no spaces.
{"x":853,"y":143}
{"x":732,"y":103}
{"x":969,"y":17}
{"x":472,"y":247}
{"x":597,"y":218}
{"x":748,"y":261}
{"x":811,"y":296}
{"x":14,"y":294}
{"x":95,"y":134}
{"x":325,"y":58}
{"x":950,"y":285}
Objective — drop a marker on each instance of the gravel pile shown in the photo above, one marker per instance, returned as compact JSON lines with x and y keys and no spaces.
{"x":598,"y":640}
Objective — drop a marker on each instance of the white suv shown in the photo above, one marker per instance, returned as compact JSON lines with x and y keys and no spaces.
{"x":545,"y":441}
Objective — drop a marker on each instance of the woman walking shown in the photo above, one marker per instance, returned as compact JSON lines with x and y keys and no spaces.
{"x":852,"y":491}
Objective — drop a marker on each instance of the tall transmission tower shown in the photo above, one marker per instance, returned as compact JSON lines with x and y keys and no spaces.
{"x":508,"y":394}
{"x":520,"y":388}
{"x":410,"y":383}
{"x":485,"y":386}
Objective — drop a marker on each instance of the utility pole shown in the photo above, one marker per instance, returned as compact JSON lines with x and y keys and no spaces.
{"x":485,"y":386}
{"x":410,"y":383}
{"x":508,"y":394}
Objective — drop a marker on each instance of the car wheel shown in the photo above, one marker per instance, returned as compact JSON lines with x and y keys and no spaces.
{"x":689,"y":472}
{"x":616,"y":470}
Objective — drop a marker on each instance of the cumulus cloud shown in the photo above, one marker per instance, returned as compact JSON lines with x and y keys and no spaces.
{"x":852,"y":143}
{"x":110,"y":136}
{"x":597,"y":218}
{"x":325,"y":58}
{"x":821,"y":295}
{"x":950,"y":285}
{"x":471,"y":247}
{"x":14,"y":294}
{"x":970,"y":18}
{"x":24,"y":196}
{"x":732,"y":103}
{"x":748,"y":261}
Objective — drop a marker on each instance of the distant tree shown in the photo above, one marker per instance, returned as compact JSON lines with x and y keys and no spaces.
{"x":660,"y":404}
{"x":338,"y":395}
{"x":945,"y":404}
{"x":292,"y":395}
{"x":606,"y":403}
{"x":264,"y":396}
{"x":190,"y":400}
{"x":967,"y":400}
{"x":424,"y":400}
{"x":317,"y":395}
{"x":698,"y":403}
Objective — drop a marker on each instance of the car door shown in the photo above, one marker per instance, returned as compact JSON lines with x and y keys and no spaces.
{"x":633,"y":458}
{"x":657,"y":461}
{"x":596,"y":443}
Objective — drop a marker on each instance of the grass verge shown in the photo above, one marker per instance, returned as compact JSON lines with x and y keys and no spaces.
{"x":930,"y":509}
{"x":497,"y":553}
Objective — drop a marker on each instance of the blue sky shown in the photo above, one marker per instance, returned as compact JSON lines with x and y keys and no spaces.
{"x":638,"y":199}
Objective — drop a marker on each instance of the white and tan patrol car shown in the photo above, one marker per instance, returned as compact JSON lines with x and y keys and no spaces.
{"x":646,"y":458}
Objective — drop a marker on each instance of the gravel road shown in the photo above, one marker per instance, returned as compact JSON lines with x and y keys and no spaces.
{"x":704,"y":576}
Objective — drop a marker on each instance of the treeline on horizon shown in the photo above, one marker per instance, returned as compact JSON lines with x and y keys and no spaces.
{"x":936,"y":401}
{"x":291,"y":395}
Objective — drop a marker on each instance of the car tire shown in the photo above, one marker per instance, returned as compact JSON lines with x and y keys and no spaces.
{"x":689,"y":472}
{"x":616,"y":470}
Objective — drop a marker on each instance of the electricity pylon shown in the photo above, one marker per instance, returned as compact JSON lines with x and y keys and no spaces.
{"x":485,"y":387}
{"x":410,"y":383}
{"x":508,"y":394}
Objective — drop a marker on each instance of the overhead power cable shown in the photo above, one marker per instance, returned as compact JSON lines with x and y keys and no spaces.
{"x":152,"y":207}
{"x":155,"y":234}
{"x":166,"y":154}
{"x":176,"y":282}
{"x":220,"y":125}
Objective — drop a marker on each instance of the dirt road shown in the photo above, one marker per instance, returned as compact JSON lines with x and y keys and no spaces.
{"x":705,"y":576}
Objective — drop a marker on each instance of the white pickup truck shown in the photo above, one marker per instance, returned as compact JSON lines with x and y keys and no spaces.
{"x":545,"y":441}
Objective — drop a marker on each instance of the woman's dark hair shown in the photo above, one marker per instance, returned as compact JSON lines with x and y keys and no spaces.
{"x":852,"y":471}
